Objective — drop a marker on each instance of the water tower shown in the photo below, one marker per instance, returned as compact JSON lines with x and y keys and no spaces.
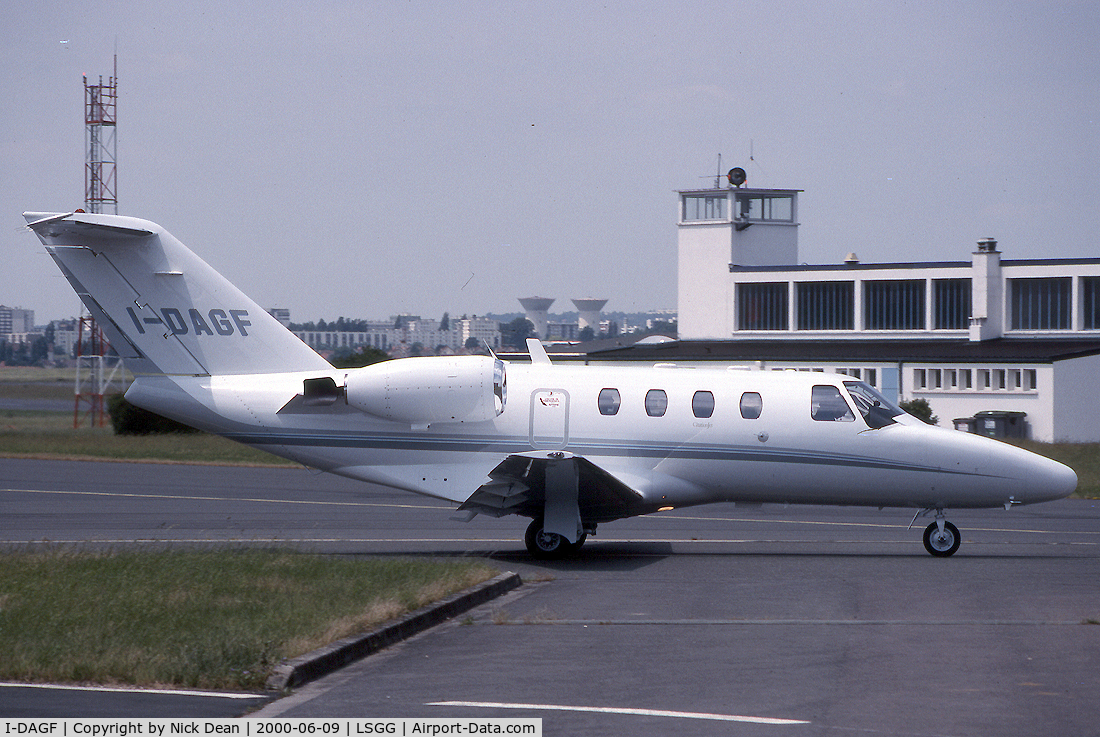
{"x":537,"y":309}
{"x":589,"y":310}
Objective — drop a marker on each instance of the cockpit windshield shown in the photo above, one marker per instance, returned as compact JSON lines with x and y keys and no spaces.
{"x":877,"y":410}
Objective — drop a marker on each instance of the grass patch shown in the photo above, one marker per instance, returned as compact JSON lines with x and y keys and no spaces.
{"x":218,"y":620}
{"x":65,"y":376}
{"x":28,"y":434}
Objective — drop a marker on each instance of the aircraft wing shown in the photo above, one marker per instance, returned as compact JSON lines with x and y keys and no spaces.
{"x":518,"y":486}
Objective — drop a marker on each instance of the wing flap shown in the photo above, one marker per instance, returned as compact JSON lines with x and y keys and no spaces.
{"x":518,"y":486}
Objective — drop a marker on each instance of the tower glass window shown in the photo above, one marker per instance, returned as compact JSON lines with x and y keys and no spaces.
{"x":704,"y":207}
{"x":765,"y":207}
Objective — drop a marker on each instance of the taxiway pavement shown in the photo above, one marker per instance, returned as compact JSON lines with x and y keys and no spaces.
{"x":711,"y":620}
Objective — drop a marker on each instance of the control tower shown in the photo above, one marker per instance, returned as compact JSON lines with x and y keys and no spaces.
{"x":589,"y":310}
{"x":720,"y":231}
{"x":537,"y":309}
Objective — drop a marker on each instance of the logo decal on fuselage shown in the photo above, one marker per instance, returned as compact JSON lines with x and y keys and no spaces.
{"x":220,"y":322}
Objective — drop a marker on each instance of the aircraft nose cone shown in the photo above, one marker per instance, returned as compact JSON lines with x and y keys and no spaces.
{"x":1046,"y":480}
{"x":1061,"y":480}
{"x":1016,"y":475}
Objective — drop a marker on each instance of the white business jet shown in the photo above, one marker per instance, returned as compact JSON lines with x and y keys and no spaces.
{"x":568,"y":446}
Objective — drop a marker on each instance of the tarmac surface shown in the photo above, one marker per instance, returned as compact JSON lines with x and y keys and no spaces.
{"x":710,"y":620}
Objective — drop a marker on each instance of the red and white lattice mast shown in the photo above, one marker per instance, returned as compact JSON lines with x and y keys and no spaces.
{"x":101,"y":143}
{"x":96,"y":370}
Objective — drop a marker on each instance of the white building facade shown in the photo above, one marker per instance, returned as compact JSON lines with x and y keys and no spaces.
{"x":986,"y":334}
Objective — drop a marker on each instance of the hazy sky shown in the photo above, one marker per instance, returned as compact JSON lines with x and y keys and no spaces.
{"x":370,"y":158}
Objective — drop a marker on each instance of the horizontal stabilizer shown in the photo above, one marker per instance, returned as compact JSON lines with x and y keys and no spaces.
{"x":68,"y":226}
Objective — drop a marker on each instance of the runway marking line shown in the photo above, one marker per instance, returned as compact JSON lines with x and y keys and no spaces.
{"x":443,"y":506}
{"x":623,"y":710}
{"x":227,"y":499}
{"x":153,"y":691}
{"x":779,"y":521}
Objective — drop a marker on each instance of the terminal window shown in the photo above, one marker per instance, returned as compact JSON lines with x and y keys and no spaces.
{"x":894,"y":305}
{"x":825,"y":305}
{"x":1040,"y":304}
{"x":951,"y":304}
{"x":1090,"y":293}
{"x":762,"y":306}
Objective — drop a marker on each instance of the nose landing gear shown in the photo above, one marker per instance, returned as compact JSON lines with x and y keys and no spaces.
{"x":941,"y":542}
{"x":941,"y":538}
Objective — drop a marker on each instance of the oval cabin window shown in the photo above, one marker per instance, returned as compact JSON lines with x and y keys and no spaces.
{"x":751,"y":405}
{"x":656,"y":402}
{"x":608,"y":401}
{"x":702,"y":404}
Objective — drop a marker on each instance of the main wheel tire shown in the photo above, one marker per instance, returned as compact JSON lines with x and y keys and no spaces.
{"x":941,"y":544}
{"x":547,"y":545}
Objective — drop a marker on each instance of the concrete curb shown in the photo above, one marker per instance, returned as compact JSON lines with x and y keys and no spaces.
{"x":321,"y":662}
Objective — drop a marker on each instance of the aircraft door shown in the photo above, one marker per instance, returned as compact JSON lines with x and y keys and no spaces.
{"x":549,"y":419}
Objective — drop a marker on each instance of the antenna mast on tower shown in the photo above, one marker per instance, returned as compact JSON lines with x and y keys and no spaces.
{"x":96,"y":369}
{"x":100,"y":119}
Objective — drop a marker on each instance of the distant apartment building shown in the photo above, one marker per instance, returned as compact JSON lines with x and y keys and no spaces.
{"x":16,"y":324}
{"x":281,"y":314}
{"x":65,"y":335}
{"x":400,"y":335}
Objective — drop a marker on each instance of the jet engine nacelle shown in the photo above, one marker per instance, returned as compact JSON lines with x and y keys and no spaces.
{"x":438,"y":389}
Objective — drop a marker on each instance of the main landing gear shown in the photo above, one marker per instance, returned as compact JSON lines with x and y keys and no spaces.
{"x":550,"y":545}
{"x":941,"y":538}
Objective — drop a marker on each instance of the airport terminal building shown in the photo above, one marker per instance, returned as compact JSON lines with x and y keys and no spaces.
{"x":988,"y":334}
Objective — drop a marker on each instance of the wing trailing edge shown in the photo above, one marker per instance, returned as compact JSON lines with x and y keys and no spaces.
{"x":518,"y":486}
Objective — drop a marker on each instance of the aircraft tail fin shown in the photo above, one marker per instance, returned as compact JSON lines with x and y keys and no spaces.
{"x":165,"y":310}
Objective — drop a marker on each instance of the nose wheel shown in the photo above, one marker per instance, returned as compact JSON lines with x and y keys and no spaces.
{"x":941,"y":538}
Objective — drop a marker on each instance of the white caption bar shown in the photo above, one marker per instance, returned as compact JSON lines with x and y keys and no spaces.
{"x":266,"y":727}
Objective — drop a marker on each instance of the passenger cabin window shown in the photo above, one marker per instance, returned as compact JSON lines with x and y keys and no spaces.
{"x":656,"y":402}
{"x":609,"y":401}
{"x":877,"y":410}
{"x":827,"y":405}
{"x":751,"y":405}
{"x":702,"y":404}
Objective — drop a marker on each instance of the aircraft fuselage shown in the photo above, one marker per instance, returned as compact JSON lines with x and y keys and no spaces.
{"x":775,"y":451}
